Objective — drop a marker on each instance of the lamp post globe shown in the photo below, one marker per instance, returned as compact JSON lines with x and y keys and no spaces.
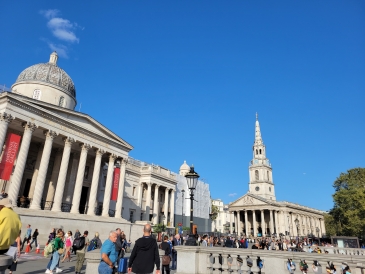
{"x":192,"y":180}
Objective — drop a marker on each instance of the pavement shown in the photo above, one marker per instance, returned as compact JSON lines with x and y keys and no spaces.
{"x":33,"y":263}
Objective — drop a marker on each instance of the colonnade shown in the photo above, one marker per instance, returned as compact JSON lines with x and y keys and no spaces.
{"x":262,"y":222}
{"x":39,"y":186}
{"x":148,"y":208}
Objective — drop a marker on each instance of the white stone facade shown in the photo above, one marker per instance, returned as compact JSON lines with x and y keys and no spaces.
{"x":257,"y":213}
{"x":221,"y":223}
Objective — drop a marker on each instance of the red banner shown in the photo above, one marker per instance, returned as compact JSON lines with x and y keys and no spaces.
{"x":10,"y":152}
{"x":115,"y":184}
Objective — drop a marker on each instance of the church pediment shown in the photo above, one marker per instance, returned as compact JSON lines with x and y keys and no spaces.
{"x":248,"y":200}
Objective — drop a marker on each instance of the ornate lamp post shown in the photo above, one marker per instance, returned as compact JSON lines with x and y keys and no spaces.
{"x":182,"y":207}
{"x":192,"y":180}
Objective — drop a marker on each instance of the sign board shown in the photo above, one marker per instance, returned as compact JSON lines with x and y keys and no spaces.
{"x":114,"y":195}
{"x":9,"y":156}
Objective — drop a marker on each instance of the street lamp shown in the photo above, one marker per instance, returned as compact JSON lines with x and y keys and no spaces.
{"x":192,"y":180}
{"x":296,"y":221}
{"x":182,"y":207}
{"x":319,"y":241}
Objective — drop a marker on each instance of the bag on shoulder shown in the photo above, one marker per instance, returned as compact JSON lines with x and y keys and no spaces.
{"x":79,"y":243}
{"x":49,"y":248}
{"x":92,"y":245}
{"x":166,"y":259}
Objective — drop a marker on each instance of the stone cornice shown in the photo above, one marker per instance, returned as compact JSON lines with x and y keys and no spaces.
{"x":52,"y":117}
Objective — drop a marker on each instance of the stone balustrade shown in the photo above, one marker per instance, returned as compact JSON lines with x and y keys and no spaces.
{"x":5,"y":261}
{"x":217,"y":260}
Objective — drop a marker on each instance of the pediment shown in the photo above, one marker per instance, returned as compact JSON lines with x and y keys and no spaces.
{"x":79,"y":119}
{"x":248,"y":200}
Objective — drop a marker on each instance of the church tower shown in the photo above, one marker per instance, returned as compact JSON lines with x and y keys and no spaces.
{"x":261,"y":182}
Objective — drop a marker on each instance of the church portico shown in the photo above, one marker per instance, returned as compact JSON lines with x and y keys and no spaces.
{"x":259,"y":214}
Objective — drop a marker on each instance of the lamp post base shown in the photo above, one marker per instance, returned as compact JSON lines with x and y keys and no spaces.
{"x":191,"y":241}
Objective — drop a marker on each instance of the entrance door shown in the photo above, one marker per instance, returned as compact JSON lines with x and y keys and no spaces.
{"x":27,"y":187}
{"x":83,"y":199}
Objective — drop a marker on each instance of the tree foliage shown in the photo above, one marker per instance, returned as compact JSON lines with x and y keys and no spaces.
{"x":347,"y":217}
{"x":214,"y":213}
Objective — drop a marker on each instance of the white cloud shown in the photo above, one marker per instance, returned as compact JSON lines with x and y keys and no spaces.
{"x":49,"y":13}
{"x":61,"y":49}
{"x":232,"y":194}
{"x":61,"y":28}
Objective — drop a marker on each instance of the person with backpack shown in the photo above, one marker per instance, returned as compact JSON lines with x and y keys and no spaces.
{"x":57,"y":247}
{"x":49,"y":250}
{"x":81,"y":245}
{"x":95,"y":243}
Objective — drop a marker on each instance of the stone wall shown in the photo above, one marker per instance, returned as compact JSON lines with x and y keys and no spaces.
{"x":45,"y":220}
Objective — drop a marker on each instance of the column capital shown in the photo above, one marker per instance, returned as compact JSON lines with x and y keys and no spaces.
{"x":172,"y":190}
{"x":112,"y":157}
{"x":6,"y":117}
{"x":28,"y":126}
{"x":157,"y":186}
{"x":85,"y":147}
{"x":50,"y":134}
{"x":68,"y":141}
{"x":99,"y":152}
{"x":124,"y":161}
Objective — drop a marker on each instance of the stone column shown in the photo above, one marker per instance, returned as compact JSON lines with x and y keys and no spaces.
{"x":247,"y":228}
{"x":36,"y":169}
{"x":108,"y":185}
{"x":119,"y":205}
{"x":293,"y":225}
{"x":166,"y":205}
{"x":271,"y":223}
{"x":140,"y":194}
{"x":263,"y":227}
{"x":148,"y":203}
{"x":54,"y":176}
{"x":305,"y":225}
{"x":42,"y":173}
{"x":95,"y":182}
{"x":62,"y":175}
{"x":230,"y":222}
{"x":277,"y":226}
{"x":5,"y":120}
{"x":254,"y":223}
{"x":79,"y":179}
{"x":155,"y":205}
{"x":323,"y":228}
{"x":239,"y":230}
{"x":16,"y":179}
{"x":172,"y":208}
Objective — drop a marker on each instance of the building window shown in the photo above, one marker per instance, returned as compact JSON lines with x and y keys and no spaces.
{"x":260,"y":151}
{"x":134,"y":191}
{"x":268,"y":176}
{"x":256,"y":152}
{"x":86,"y":173}
{"x":257,"y":175}
{"x":141,"y":216}
{"x":37,"y":94}
{"x":60,"y":103}
{"x":160,"y":198}
{"x":131,"y":216}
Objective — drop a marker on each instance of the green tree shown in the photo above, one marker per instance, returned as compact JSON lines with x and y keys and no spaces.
{"x":347,"y":217}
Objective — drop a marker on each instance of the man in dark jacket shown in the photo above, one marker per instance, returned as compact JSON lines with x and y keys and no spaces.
{"x":144,"y":254}
{"x":120,"y":244}
{"x":229,"y":242}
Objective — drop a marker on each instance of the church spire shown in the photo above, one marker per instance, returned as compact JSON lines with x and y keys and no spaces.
{"x":258,"y":138}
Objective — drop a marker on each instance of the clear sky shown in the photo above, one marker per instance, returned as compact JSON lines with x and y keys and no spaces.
{"x":182,"y":80}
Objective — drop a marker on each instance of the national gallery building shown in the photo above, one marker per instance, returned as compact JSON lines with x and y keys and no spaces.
{"x":257,"y":213}
{"x":56,"y":159}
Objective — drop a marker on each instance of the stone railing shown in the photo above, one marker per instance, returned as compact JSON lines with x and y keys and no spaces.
{"x":5,"y":261}
{"x":224,"y":260}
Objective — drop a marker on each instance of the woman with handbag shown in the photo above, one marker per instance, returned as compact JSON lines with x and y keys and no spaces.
{"x":68,"y":242}
{"x":57,"y":251}
{"x":166,"y":259}
{"x":16,"y":255}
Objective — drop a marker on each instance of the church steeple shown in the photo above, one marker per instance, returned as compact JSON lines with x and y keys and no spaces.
{"x":261,"y":182}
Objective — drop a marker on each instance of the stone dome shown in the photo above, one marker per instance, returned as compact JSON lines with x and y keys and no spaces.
{"x":184,"y":168}
{"x":49,"y":74}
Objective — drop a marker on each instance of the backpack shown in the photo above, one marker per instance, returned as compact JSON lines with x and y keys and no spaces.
{"x":79,"y":243}
{"x":49,"y":248}
{"x":92,"y":245}
{"x":246,"y":244}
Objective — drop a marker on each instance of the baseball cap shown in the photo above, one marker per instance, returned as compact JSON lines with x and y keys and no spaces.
{"x":5,"y":202}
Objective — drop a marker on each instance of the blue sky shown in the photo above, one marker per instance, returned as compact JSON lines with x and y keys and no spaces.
{"x":182,"y":80}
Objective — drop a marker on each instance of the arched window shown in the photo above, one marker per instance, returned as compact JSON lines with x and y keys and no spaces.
{"x":37,"y":94}
{"x":268,"y":176}
{"x":62,"y":99}
{"x":257,"y":175}
{"x":256,"y":152}
{"x":260,"y":151}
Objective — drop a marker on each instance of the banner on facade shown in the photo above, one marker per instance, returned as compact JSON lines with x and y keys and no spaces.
{"x":115,"y":184}
{"x":9,"y":155}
